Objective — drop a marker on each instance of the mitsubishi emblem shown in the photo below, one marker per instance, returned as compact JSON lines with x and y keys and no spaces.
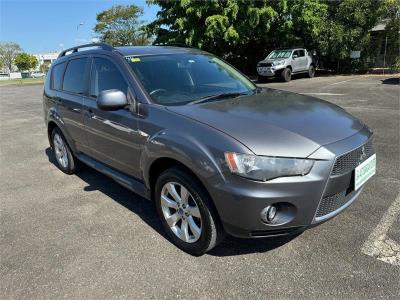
{"x":363,"y":154}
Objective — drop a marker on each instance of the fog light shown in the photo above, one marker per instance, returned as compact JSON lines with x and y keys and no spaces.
{"x":269,"y":213}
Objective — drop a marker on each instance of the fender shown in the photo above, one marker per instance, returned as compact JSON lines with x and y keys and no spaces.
{"x":54,"y":117}
{"x":184,"y":148}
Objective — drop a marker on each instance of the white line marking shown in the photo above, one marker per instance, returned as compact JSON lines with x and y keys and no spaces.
{"x":378,"y":244}
{"x":343,"y":81}
{"x":323,"y":94}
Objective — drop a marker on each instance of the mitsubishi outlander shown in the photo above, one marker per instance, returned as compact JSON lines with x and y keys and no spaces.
{"x":214,"y":152}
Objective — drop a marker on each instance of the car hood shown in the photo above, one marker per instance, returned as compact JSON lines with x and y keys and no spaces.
{"x":271,"y":60}
{"x":276,"y":123}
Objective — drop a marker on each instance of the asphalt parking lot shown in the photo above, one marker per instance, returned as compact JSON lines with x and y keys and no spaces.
{"x":84,"y":236}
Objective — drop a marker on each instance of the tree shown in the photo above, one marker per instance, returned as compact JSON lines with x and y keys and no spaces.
{"x":25,"y":62}
{"x":392,"y":15}
{"x":34,"y":62}
{"x":240,"y":31}
{"x":347,"y":28}
{"x":243,"y":32}
{"x":44,"y":68}
{"x":8,"y":52}
{"x":121,"y":25}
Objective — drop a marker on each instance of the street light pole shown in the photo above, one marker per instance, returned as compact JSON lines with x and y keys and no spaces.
{"x":77,"y":32}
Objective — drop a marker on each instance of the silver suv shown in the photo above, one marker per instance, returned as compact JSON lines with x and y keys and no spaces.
{"x":286,"y":62}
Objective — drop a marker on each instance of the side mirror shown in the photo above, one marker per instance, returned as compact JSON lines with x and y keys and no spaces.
{"x":294,"y":56}
{"x":111,"y":100}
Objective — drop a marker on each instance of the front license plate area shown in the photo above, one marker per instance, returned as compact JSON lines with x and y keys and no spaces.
{"x":364,"y":171}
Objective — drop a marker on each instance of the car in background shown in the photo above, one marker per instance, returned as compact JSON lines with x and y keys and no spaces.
{"x":287,"y":62}
{"x":37,"y":74}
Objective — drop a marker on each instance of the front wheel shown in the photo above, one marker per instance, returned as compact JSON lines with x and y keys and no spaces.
{"x":286,"y":74}
{"x":261,"y":79}
{"x":186,"y":213}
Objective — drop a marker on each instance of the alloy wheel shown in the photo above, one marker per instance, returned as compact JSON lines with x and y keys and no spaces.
{"x":181,"y":212}
{"x":60,"y":150}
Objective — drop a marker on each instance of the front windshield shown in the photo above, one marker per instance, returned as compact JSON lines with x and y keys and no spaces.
{"x":279,"y":54}
{"x":176,"y":79}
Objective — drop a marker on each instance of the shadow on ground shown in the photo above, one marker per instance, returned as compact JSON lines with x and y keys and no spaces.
{"x":146,"y":211}
{"x":393,"y":80}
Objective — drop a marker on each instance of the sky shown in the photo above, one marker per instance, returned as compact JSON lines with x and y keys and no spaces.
{"x":41,"y":26}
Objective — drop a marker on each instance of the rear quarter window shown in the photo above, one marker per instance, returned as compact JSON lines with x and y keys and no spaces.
{"x":57,"y":76}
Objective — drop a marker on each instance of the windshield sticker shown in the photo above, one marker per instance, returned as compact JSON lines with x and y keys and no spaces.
{"x":132,"y":58}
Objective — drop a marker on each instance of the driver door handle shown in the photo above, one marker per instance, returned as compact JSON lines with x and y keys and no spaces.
{"x":89,"y":113}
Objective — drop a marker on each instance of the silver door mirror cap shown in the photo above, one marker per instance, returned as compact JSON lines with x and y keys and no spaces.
{"x":109,"y":100}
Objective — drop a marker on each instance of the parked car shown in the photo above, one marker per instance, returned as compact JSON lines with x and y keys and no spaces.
{"x":215,"y":153}
{"x":287,"y":62}
{"x":37,"y":74}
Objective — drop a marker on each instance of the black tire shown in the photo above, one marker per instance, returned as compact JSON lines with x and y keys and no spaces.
{"x":211,"y":230}
{"x":286,"y":74}
{"x":261,"y":79}
{"x":72,"y":164}
{"x":311,"y":71}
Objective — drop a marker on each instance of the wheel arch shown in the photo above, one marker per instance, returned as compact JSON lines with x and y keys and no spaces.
{"x":51,"y":124}
{"x":162,"y":164}
{"x":50,"y":127}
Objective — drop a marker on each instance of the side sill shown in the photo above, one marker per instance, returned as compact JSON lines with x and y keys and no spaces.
{"x":126,"y":181}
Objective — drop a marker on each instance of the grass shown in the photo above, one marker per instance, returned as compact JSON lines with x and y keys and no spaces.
{"x":22,"y":81}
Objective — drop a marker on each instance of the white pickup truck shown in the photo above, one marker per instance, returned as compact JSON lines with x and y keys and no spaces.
{"x":286,"y":62}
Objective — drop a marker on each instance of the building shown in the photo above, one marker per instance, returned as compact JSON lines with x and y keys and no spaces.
{"x":46,"y":58}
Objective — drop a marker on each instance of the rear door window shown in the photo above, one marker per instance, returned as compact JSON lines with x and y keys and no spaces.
{"x":75,"y":78}
{"x":57,"y":76}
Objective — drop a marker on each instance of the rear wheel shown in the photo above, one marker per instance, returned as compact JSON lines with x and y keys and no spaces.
{"x":66,"y":162}
{"x":186,"y":213}
{"x":311,"y":71}
{"x":286,"y":74}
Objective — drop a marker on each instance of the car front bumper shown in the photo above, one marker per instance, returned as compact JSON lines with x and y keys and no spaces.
{"x":302,"y":201}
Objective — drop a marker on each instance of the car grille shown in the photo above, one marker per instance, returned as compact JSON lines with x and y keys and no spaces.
{"x":349,"y":161}
{"x":331,"y":203}
{"x":265,"y":64}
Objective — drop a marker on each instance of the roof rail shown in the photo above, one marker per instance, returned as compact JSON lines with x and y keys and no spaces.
{"x":175,"y":45}
{"x":75,"y":49}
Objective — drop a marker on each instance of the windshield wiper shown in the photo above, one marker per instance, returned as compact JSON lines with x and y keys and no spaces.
{"x":217,"y":96}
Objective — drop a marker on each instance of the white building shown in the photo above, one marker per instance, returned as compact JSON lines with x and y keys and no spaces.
{"x":46,"y":58}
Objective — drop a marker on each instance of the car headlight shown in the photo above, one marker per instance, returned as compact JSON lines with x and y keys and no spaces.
{"x":278,"y":63}
{"x":263,"y":168}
